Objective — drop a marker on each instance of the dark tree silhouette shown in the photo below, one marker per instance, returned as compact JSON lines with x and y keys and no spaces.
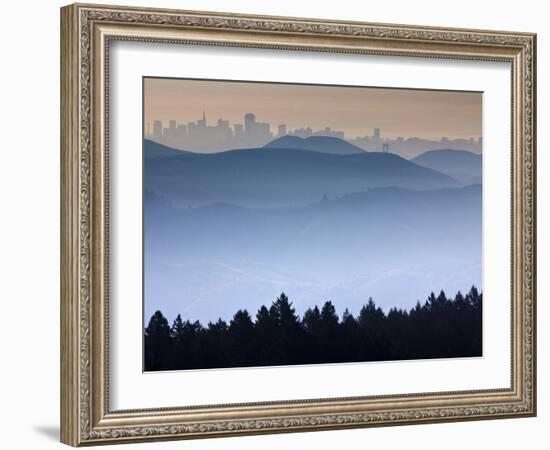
{"x":266,"y":328}
{"x":311,"y":324}
{"x":177,"y":330}
{"x":375,"y":344}
{"x":157,"y":343}
{"x":329,"y":332}
{"x":440,"y":328}
{"x":288,"y":342}
{"x":215,"y":344}
{"x":241,"y":337}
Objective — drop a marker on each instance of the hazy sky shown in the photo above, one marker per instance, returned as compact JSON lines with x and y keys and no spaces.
{"x":354,"y":110}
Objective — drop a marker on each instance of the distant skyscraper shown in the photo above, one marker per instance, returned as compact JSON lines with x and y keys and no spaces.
{"x":376,"y":134}
{"x":181,"y":132}
{"x":281,"y":130}
{"x":262,"y":130}
{"x":157,"y":129}
{"x":249,"y":122}
{"x":170,"y":132}
{"x":202,"y":123}
{"x":222,"y":131}
{"x":223,"y":123}
{"x":303,"y":132}
{"x":239,"y":130}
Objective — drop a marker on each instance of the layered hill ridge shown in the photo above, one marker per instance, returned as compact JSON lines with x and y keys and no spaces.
{"x":322,"y":144}
{"x":152,"y":149}
{"x":273,"y":177}
{"x":462,"y":165}
{"x":389,"y":243}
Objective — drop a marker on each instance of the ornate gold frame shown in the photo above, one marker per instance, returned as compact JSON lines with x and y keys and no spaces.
{"x":86,"y":31}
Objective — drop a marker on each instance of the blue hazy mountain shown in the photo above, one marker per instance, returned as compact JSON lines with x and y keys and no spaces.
{"x":393,"y":244}
{"x":323,"y":144}
{"x":274,"y":177}
{"x":153,"y":149}
{"x":461,"y":165}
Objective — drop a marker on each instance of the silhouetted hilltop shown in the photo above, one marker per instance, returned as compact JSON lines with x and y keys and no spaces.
{"x":462,"y":165}
{"x":323,"y":144}
{"x":153,"y":149}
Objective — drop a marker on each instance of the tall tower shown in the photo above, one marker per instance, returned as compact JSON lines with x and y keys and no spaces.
{"x":157,"y":129}
{"x":249,"y":122}
{"x":202,"y":123}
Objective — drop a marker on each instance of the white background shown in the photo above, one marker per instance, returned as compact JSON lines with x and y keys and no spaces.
{"x":132,"y":389}
{"x":29,"y":238}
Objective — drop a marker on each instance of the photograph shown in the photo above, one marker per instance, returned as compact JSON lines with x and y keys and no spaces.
{"x":293,"y":224}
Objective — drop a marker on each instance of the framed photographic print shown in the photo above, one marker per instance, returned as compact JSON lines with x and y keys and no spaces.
{"x":275,"y":224}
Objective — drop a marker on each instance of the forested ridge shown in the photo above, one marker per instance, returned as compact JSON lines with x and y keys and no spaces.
{"x":442,"y":327}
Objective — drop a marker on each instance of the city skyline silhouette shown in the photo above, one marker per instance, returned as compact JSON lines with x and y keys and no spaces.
{"x":352,"y":110}
{"x":220,"y":135}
